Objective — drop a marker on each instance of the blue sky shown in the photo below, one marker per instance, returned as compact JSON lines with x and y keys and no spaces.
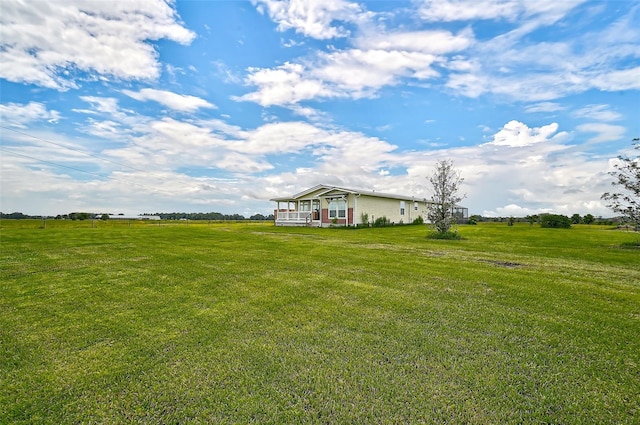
{"x":152,"y":106}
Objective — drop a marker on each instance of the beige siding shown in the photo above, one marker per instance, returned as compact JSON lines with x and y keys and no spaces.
{"x":378,"y":207}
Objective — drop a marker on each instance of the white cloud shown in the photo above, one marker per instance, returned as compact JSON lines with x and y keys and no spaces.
{"x":518,"y":67}
{"x":281,"y":137}
{"x":243,"y":164}
{"x":312,"y":18}
{"x":538,"y":12}
{"x":106,"y":129}
{"x":171,"y":144}
{"x":616,"y":80}
{"x":311,"y":114}
{"x":380,"y":59}
{"x":517,"y":134}
{"x":510,"y":64}
{"x":284,"y":85}
{"x":434,"y":42}
{"x":36,"y":149}
{"x":178,"y":102}
{"x":291,"y":43}
{"x":107,"y":105}
{"x":518,"y":71}
{"x":544,"y":107}
{"x":224,"y":73}
{"x":350,"y":73}
{"x":129,"y":192}
{"x":520,"y":81}
{"x":51,"y":45}
{"x":19,"y":115}
{"x":460,"y":10}
{"x":223,"y":129}
{"x":513,"y":210}
{"x":598,"y":112}
{"x":359,"y":73}
{"x":470,"y":85}
{"x":604,"y":132}
{"x":107,"y":119}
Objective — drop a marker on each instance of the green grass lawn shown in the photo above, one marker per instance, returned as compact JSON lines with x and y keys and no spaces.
{"x":239,"y":323}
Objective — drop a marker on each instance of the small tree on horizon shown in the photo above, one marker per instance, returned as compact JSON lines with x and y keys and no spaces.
{"x":557,"y":221}
{"x":576,"y":219}
{"x":445,"y":184}
{"x":627,"y":177}
{"x":532,"y":219}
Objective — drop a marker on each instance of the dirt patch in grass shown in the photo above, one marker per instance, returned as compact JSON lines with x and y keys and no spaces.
{"x":301,"y":235}
{"x":507,"y":264}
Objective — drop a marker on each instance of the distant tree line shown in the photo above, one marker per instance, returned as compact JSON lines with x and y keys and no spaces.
{"x":210,"y":216}
{"x":547,"y":218}
{"x":164,"y":216}
{"x":70,"y":216}
{"x":17,"y":216}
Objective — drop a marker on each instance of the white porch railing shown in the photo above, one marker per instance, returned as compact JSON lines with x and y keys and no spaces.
{"x":294,"y":216}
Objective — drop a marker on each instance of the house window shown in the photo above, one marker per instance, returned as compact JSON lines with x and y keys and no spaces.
{"x":337,"y":208}
{"x":415,"y":206}
{"x":402,"y":206}
{"x":305,"y":206}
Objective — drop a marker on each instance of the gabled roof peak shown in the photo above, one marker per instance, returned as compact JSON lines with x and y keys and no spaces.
{"x":326,"y":189}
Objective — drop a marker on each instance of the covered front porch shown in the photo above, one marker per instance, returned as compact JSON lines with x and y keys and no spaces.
{"x":302,"y":212}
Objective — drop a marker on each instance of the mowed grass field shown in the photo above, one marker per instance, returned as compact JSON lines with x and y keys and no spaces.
{"x":238,"y":323}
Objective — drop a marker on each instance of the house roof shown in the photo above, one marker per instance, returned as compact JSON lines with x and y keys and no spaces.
{"x":327,"y":190}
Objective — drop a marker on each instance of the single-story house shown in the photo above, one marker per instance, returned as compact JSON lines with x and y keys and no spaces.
{"x":324,"y":205}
